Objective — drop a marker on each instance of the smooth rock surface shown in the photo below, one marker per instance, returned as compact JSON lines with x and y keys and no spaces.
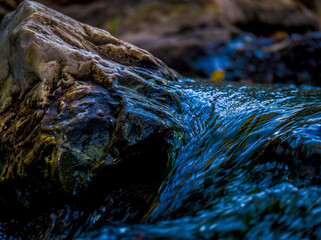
{"x":78,"y":106}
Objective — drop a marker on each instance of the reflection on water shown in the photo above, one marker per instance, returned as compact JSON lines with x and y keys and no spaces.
{"x":249,"y":167}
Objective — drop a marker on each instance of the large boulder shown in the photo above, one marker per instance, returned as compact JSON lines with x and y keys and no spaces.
{"x":79,"y":109}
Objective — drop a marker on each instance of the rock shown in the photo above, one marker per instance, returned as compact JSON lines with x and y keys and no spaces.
{"x":79,"y":109}
{"x":290,"y":60}
{"x":180,"y":31}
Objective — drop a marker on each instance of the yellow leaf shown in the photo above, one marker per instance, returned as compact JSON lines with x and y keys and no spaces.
{"x":218,"y":75}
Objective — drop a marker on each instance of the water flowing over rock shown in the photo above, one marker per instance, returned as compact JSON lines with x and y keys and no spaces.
{"x":251,"y":169}
{"x":78,"y":106}
{"x":100,"y":140}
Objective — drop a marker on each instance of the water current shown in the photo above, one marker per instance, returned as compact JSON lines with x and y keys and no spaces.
{"x":248,"y":168}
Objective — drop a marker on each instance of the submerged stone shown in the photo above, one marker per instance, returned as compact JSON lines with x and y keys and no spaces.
{"x":78,"y":106}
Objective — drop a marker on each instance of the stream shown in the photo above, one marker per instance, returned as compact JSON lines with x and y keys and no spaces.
{"x":249,"y":167}
{"x":101,"y":140}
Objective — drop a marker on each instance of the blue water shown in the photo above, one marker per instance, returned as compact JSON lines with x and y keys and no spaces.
{"x":249,"y":167}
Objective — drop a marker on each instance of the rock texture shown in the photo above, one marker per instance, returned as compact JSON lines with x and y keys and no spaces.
{"x":78,"y":106}
{"x":180,"y":31}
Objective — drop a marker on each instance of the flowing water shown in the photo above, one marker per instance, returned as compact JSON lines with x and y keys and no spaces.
{"x":249,"y":168}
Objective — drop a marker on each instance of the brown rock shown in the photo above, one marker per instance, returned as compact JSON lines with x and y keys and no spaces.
{"x":78,"y":105}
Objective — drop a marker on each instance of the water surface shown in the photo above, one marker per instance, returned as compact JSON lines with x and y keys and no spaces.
{"x":249,"y":167}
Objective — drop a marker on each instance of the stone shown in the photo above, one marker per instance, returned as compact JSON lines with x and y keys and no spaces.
{"x":79,"y":109}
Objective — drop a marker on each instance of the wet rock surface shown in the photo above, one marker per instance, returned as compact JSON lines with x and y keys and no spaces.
{"x":81,"y":112}
{"x":286,"y":60}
